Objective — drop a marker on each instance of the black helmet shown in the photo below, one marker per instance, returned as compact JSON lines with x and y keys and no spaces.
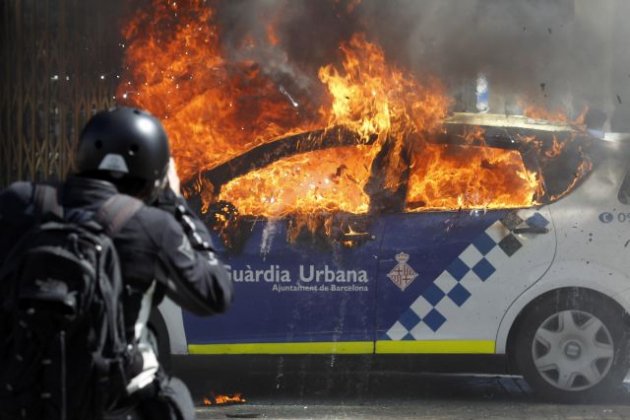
{"x":124,"y":143}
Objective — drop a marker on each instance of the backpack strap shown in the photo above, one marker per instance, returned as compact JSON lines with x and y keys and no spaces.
{"x":45,"y":197}
{"x":116,"y":211}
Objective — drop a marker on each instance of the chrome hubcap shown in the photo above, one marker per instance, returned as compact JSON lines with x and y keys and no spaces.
{"x":573,"y":350}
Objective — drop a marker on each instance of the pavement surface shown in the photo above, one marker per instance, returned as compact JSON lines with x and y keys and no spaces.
{"x":347,"y":391}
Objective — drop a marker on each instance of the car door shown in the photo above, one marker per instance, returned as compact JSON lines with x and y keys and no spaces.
{"x":304,"y":283}
{"x":447,"y":275}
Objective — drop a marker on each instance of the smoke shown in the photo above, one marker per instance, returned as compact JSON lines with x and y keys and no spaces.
{"x":556,"y":53}
{"x":308,"y":36}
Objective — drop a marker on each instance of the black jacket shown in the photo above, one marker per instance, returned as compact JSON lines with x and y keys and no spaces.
{"x":165,"y":242}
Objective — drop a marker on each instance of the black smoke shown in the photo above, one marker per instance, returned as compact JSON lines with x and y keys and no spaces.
{"x":555,"y":53}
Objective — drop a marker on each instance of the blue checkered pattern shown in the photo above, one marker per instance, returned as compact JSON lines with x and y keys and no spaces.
{"x":477,"y":263}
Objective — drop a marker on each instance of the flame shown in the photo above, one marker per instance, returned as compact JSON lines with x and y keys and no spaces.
{"x":556,"y":115}
{"x":371,"y":96}
{"x":544,"y":114}
{"x":216,"y":107}
{"x":556,"y":148}
{"x":272,"y":35}
{"x":295,"y":183}
{"x":224,"y":399}
{"x":212,"y":108}
{"x":474,"y":136}
{"x":491,"y":178}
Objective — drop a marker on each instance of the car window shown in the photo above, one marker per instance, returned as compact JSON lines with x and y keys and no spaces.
{"x":564,"y":163}
{"x":451,"y":177}
{"x":322,"y":180}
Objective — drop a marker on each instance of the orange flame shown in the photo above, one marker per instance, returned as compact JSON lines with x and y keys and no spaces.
{"x":224,"y":399}
{"x":540,"y":113}
{"x":493,"y":178}
{"x":305,"y":187}
{"x":371,"y":96}
{"x":272,"y":35}
{"x":556,"y":148}
{"x":557,"y":115}
{"x":216,"y":108}
{"x":213,"y":109}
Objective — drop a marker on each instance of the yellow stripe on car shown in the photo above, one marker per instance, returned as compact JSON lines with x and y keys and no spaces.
{"x":435,"y":347}
{"x":351,"y":347}
{"x":338,"y":347}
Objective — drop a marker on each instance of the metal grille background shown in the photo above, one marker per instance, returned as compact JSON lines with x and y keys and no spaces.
{"x":58,"y":65}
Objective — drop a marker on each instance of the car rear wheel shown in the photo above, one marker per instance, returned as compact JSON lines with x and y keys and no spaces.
{"x":572,"y":347}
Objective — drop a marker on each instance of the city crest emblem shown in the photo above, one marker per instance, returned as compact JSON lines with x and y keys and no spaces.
{"x":402,"y":275}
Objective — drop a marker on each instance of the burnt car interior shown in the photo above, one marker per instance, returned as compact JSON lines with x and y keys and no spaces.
{"x":509,"y":168}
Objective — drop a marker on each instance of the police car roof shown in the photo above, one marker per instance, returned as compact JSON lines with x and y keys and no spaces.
{"x":508,"y":121}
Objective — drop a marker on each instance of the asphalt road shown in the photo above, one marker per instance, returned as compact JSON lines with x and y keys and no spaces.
{"x":286,"y":389}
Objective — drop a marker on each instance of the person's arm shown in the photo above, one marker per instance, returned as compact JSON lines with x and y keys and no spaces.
{"x":197,"y":280}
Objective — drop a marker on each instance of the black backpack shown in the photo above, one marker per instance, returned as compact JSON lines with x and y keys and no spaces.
{"x":63,"y":350}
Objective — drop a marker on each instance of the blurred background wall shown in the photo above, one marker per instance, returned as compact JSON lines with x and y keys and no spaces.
{"x":58,"y":61}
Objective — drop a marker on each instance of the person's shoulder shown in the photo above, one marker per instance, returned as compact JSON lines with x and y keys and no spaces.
{"x":151,"y":212}
{"x":155,"y":218}
{"x":15,"y":199}
{"x":21,"y":187}
{"x":156,"y":223}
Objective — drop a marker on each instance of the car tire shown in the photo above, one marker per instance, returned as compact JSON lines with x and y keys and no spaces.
{"x":572,"y":346}
{"x":159,"y":339}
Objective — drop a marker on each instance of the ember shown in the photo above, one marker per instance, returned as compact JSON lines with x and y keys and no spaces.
{"x":224,"y":399}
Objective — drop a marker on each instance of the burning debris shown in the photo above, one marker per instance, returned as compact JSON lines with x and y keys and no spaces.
{"x":220,"y":399}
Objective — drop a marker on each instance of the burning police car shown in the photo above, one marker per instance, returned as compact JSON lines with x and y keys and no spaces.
{"x":496,"y":235}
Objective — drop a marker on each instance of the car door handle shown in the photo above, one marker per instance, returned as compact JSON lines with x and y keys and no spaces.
{"x":537,"y":230}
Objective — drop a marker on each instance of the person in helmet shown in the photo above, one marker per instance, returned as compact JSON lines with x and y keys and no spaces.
{"x":127,"y":147}
{"x":164,"y":249}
